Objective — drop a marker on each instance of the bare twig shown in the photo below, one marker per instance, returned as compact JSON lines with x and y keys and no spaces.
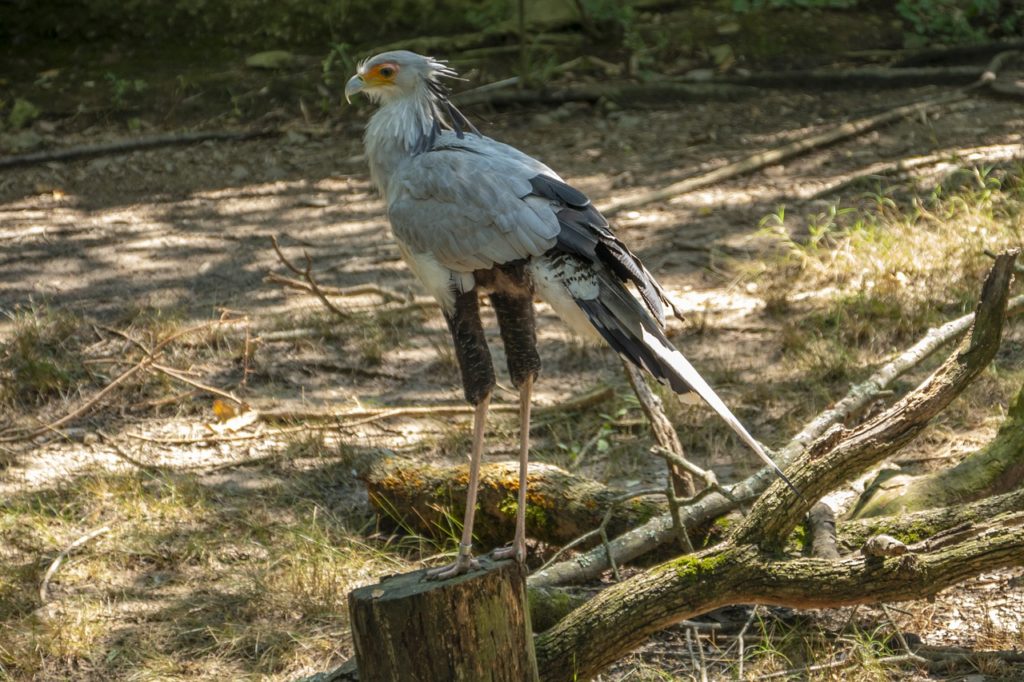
{"x":44,"y":586}
{"x":178,"y":375}
{"x":664,"y":432}
{"x":358,"y":290}
{"x":740,"y":641}
{"x":307,"y":274}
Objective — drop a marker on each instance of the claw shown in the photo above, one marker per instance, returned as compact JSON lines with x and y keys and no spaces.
{"x":464,"y":563}
{"x":515,"y":551}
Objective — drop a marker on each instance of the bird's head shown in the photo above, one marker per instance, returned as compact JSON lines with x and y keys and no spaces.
{"x":392,"y":75}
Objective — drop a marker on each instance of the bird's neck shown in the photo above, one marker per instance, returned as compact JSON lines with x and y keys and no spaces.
{"x":401,"y":128}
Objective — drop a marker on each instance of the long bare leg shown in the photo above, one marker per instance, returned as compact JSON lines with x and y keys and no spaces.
{"x":514,"y":311}
{"x":518,"y":547}
{"x":464,"y":561}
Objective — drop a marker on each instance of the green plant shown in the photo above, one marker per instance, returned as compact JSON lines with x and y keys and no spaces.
{"x":121,"y":89}
{"x":960,"y":21}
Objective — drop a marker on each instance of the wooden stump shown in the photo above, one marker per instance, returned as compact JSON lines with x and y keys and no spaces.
{"x":472,"y":628}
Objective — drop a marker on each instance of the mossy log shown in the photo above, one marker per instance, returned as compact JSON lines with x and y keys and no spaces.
{"x":560,"y":506}
{"x":996,"y":468}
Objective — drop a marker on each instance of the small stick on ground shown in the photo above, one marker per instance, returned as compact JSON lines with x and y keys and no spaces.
{"x":307,"y":274}
{"x":44,"y":586}
{"x":359,"y":290}
{"x":178,"y":375}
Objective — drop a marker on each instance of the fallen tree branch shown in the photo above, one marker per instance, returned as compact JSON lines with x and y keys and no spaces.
{"x":131,"y":145}
{"x":779,"y":154}
{"x":915,"y":526}
{"x":859,"y":77}
{"x":664,"y":433}
{"x":997,"y":467}
{"x":830,"y":461}
{"x":706,"y":508}
{"x":972,"y":155}
{"x":624,"y":92}
{"x":363,"y":416}
{"x":821,"y":521}
{"x":621,"y":617}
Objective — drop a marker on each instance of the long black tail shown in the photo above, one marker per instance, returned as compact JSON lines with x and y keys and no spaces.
{"x":633,"y":333}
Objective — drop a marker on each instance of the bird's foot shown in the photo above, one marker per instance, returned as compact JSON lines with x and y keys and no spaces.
{"x":516,"y":550}
{"x":464,"y":563}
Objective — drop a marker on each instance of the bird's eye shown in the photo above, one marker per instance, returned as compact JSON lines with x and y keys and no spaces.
{"x":387,"y":71}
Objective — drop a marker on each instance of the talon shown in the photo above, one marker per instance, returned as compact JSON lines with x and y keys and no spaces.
{"x":464,"y":563}
{"x":515,"y":551}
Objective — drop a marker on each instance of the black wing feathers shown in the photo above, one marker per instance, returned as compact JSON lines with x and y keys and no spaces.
{"x":585,"y":233}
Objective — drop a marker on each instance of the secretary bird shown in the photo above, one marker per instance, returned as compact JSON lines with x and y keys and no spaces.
{"x":473,"y":215}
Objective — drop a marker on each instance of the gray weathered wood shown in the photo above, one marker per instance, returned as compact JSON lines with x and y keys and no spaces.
{"x":471,"y":628}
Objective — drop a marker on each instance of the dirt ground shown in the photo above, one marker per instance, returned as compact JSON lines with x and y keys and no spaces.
{"x":184,"y":234}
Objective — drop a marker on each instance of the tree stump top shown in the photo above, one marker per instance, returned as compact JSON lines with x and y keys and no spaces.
{"x":473,"y":628}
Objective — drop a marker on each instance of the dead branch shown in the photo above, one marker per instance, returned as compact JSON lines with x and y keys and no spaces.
{"x":92,"y":402}
{"x":714,"y":504}
{"x":829,"y":462}
{"x":929,"y":55}
{"x":914,"y":526}
{"x":779,"y":154}
{"x":44,"y":586}
{"x":995,"y":468}
{"x":663,"y":431}
{"x":131,"y":145}
{"x":359,"y":290}
{"x":363,"y":416}
{"x":822,"y":525}
{"x":178,"y":375}
{"x":860,"y":77}
{"x":621,"y":617}
{"x":623,"y":92}
{"x":971,"y":155}
{"x":307,"y":275}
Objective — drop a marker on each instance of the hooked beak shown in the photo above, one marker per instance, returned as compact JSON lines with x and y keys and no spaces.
{"x":355,"y":84}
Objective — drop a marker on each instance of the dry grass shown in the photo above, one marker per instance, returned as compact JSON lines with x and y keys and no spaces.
{"x":242,"y":575}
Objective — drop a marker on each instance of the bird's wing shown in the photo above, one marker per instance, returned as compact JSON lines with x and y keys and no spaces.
{"x":469,"y":204}
{"x":472,"y":202}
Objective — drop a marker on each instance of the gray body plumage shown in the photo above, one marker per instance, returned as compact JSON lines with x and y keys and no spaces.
{"x":463,"y":206}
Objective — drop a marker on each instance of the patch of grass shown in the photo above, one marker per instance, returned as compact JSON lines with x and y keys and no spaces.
{"x":198,"y":578}
{"x":880,"y":274}
{"x":893,"y":270}
{"x":42,"y":359}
